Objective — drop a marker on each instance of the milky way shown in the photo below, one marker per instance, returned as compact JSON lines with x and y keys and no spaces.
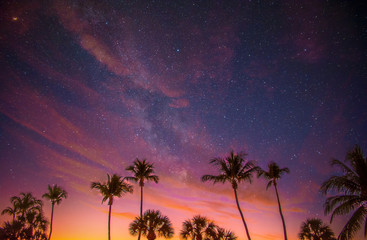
{"x":88,"y":86}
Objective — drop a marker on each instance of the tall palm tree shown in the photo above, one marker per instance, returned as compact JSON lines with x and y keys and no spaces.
{"x":233,"y":169}
{"x":352,"y":186}
{"x":273,"y":174}
{"x":152,"y":223}
{"x":315,"y":229}
{"x":143,"y":171}
{"x":114,"y":187}
{"x":198,"y":228}
{"x":55,"y":194}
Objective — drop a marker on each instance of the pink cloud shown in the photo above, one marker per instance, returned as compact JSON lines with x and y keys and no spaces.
{"x":179,"y":103}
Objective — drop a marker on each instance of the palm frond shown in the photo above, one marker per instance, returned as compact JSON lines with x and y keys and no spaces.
{"x":346,"y":207}
{"x":341,"y":184}
{"x":345,"y":168}
{"x":332,"y":201}
{"x":354,"y":224}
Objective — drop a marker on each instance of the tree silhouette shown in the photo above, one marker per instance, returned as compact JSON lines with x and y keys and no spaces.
{"x":114,"y":187}
{"x":28,"y":219}
{"x":223,"y":234}
{"x":143,"y":171}
{"x":233,"y":169}
{"x":198,"y":228}
{"x":315,"y":229}
{"x":273,"y":174}
{"x":55,"y":194}
{"x":151,"y":225}
{"x":352,"y":186}
{"x":26,"y":203}
{"x":12,"y":211}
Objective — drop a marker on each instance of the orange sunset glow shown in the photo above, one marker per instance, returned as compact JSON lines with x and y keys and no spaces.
{"x":89,"y":87}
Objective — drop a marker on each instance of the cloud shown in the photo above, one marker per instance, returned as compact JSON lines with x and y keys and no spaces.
{"x":179,"y":103}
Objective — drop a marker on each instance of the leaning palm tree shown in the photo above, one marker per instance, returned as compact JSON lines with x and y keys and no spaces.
{"x":233,"y":169}
{"x":143,"y":171}
{"x":273,"y":174}
{"x":353,"y":188}
{"x":315,"y":229}
{"x":151,"y":225}
{"x":114,"y":187}
{"x":55,"y":194}
{"x":198,"y":228}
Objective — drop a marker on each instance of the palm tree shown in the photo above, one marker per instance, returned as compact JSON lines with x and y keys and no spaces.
{"x":35,"y":226}
{"x":315,"y":229}
{"x":114,"y":187}
{"x":142,"y":171}
{"x":30,"y":222}
{"x":13,"y":230}
{"x":198,"y":228}
{"x":12,"y":211}
{"x":55,"y":194}
{"x":353,"y":188}
{"x":152,"y":223}
{"x":223,"y":234}
{"x":25,"y":204}
{"x":273,"y":174}
{"x":233,"y":169}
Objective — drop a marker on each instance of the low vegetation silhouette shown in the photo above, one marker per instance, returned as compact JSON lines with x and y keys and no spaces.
{"x":151,"y":225}
{"x":201,"y":228}
{"x":315,"y":229}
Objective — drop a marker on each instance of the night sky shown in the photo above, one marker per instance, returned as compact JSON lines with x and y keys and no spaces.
{"x":88,"y":86}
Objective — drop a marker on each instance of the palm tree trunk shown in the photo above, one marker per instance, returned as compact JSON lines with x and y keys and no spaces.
{"x":141,"y":208}
{"x":109,"y":222}
{"x":281,"y":214}
{"x":243,"y":219}
{"x":52,"y":217}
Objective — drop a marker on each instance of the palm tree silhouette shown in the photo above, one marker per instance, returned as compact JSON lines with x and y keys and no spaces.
{"x":152,"y":223}
{"x":12,"y":230}
{"x":142,"y":171}
{"x":198,"y":228}
{"x":30,"y":222}
{"x":12,"y":211}
{"x":36,"y":226}
{"x":26,"y":203}
{"x":315,"y":229}
{"x":223,"y":234}
{"x":233,"y":169}
{"x":114,"y":187}
{"x":273,"y":174}
{"x":55,"y":194}
{"x":353,"y":187}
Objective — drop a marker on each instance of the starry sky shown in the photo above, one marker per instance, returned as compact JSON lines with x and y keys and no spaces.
{"x":88,"y":86}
